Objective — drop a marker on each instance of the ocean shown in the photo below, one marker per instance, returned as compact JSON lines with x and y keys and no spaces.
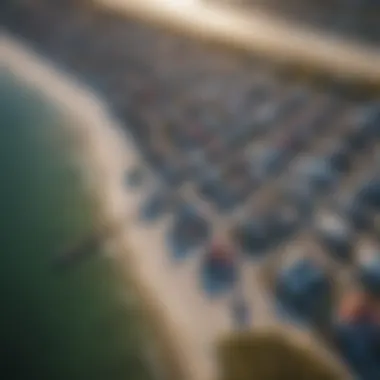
{"x":75,"y":325}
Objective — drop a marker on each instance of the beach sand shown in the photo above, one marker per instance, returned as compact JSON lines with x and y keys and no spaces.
{"x":170,"y":292}
{"x":257,"y":32}
{"x":190,"y":323}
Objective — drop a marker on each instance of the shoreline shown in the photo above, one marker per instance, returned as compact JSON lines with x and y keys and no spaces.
{"x":165,"y":289}
{"x":96,"y":126}
{"x":185,"y":339}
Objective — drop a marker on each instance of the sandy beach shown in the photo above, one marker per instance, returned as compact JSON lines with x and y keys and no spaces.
{"x":193,"y":322}
{"x":106,"y":155}
{"x":257,"y":32}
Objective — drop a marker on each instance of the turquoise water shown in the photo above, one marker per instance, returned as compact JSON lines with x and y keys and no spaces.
{"x":75,"y":325}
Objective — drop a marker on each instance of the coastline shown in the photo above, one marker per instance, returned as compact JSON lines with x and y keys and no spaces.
{"x":185,"y":356}
{"x":98,"y":136}
{"x":188,"y":339}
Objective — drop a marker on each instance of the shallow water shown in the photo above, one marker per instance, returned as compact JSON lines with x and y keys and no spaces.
{"x":74,"y":325}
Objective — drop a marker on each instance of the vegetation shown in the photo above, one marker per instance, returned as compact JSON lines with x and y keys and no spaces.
{"x":271,"y":355}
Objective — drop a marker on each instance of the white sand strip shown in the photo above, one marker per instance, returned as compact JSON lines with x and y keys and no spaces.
{"x":259,"y":33}
{"x":194,"y":322}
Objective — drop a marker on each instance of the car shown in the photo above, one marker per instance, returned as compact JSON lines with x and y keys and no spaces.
{"x":189,"y":230}
{"x":369,"y":194}
{"x":369,"y":275}
{"x":304,"y":292}
{"x":154,"y":206}
{"x":218,"y":269}
{"x":336,"y":235}
{"x":253,"y":236}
